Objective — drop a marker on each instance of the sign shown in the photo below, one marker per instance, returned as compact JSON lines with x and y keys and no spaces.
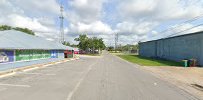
{"x":54,"y":54}
{"x":23,"y":55}
{"x":6,"y":56}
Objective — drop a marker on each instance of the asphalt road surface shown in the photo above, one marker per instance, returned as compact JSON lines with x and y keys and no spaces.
{"x":90,"y":78}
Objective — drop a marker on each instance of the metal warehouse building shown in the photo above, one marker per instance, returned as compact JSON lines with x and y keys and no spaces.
{"x":17,"y":46}
{"x":188,"y":46}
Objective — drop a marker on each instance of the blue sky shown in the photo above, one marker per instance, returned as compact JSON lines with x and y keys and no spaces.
{"x":133,"y":20}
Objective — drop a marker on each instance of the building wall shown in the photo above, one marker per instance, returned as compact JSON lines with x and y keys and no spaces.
{"x":54,"y":54}
{"x":147,"y":49}
{"x":60,"y":54}
{"x":6,"y":56}
{"x":28,"y":55}
{"x":177,"y":48}
{"x":69,"y":53}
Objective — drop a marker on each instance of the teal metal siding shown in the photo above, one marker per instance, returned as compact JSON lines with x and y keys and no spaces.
{"x":176,"y":48}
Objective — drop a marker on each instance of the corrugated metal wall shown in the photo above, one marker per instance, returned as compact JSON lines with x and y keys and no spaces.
{"x":176,"y":48}
{"x":147,"y":49}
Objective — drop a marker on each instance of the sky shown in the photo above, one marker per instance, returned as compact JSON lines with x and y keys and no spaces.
{"x":133,"y":20}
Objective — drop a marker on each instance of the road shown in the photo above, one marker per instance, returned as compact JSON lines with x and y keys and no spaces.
{"x":90,"y":78}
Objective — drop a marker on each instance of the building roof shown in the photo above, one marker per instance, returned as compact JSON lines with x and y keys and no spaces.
{"x":186,"y":34}
{"x":12,"y":39}
{"x":69,"y":48}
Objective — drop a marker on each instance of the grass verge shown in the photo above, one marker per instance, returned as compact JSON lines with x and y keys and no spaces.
{"x":144,"y":61}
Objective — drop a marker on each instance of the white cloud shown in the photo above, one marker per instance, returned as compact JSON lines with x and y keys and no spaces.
{"x":186,"y":29}
{"x":85,"y":18}
{"x":139,"y":29}
{"x":96,"y":27}
{"x":85,"y":11}
{"x":23,"y":21}
{"x":135,"y":19}
{"x":141,"y":17}
{"x":30,"y":14}
{"x":161,"y":10}
{"x":37,"y":8}
{"x":7,"y":8}
{"x":136,"y":8}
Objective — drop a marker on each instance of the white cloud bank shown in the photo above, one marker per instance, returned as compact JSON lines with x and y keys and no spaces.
{"x":136,"y":19}
{"x":141,"y":17}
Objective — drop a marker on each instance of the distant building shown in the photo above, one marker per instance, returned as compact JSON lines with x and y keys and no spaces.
{"x":188,"y":46}
{"x":76,"y":50}
{"x":17,"y":46}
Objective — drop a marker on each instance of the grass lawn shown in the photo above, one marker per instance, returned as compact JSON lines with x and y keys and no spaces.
{"x":144,"y":61}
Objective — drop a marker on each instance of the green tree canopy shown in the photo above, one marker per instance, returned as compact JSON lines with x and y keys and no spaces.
{"x":66,"y":43}
{"x":5,"y":27}
{"x":93,"y":43}
{"x":25,"y":30}
{"x":83,"y":42}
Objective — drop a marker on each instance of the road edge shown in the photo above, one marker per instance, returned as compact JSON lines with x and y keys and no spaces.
{"x":157,"y":76}
{"x":10,"y":72}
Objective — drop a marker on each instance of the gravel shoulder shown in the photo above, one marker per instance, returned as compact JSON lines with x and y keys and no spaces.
{"x":189,"y":79}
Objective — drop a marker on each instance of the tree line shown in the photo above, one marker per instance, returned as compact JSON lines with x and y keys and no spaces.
{"x":124,"y":48}
{"x":90,"y":44}
{"x":25,"y":30}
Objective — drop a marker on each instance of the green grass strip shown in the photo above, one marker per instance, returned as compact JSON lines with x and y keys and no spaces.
{"x":144,"y":61}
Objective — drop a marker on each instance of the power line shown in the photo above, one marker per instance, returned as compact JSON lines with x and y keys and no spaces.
{"x":181,"y":24}
{"x":184,"y":30}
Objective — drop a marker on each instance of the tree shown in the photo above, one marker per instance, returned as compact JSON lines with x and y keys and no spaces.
{"x":74,"y":45}
{"x":83,"y":42}
{"x":5,"y":27}
{"x":110,"y":48}
{"x":25,"y":30}
{"x":66,"y":43}
{"x":101,"y":44}
{"x":90,"y":44}
{"x":128,"y":48}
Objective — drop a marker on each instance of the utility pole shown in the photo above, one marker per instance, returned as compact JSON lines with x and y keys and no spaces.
{"x":116,"y":41}
{"x":61,"y":39}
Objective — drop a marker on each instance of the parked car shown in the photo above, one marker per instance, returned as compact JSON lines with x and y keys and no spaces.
{"x":82,"y":52}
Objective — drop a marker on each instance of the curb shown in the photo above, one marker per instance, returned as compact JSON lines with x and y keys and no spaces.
{"x":33,"y":67}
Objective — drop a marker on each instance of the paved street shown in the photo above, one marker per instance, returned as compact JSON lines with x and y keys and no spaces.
{"x":90,"y":78}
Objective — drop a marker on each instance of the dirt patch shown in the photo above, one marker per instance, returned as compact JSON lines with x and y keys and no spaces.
{"x":189,"y":79}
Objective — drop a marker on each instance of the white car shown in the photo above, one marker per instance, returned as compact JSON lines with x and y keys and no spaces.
{"x":3,"y":57}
